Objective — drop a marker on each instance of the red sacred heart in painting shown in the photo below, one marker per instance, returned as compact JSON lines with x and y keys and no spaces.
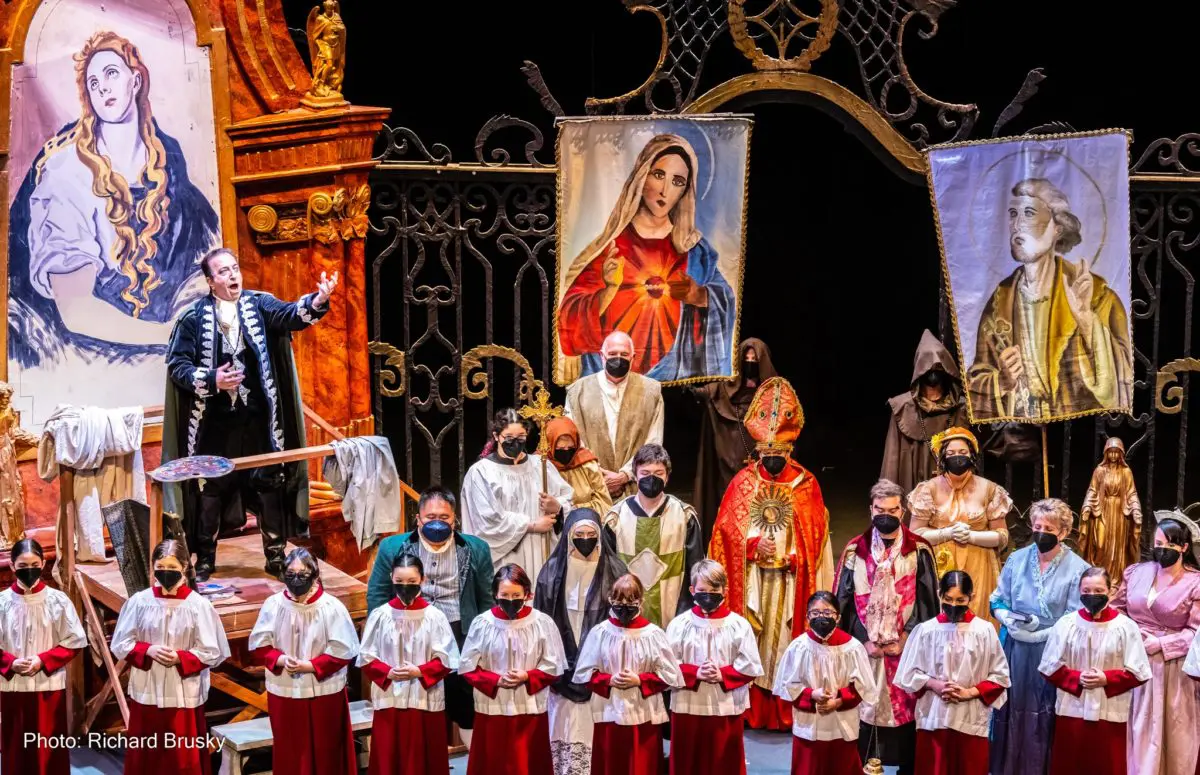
{"x":655,"y":286}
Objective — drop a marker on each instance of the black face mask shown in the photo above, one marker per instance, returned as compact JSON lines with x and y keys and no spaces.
{"x":934,"y":378}
{"x":651,"y":486}
{"x":28,"y":576}
{"x":774,"y":464}
{"x":617,"y":367}
{"x":750,"y":370}
{"x":1165,"y":556}
{"x":407,"y":592}
{"x":1094,"y":603}
{"x":167,"y":579}
{"x":298,"y":584}
{"x":511,"y":607}
{"x":565,"y":456}
{"x":955,"y":613}
{"x":1045,"y":541}
{"x":585,"y":546}
{"x":708,"y":601}
{"x":886,"y":524}
{"x":513,"y":447}
{"x":625,"y":613}
{"x":959,"y":464}
{"x":823,"y":625}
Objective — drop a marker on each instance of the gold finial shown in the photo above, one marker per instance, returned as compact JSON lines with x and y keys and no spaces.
{"x":873,"y":767}
{"x":327,"y":50}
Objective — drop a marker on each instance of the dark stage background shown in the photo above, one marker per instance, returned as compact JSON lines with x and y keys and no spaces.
{"x":842,"y":269}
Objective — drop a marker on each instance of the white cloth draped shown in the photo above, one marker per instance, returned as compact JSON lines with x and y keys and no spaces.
{"x":184,"y":624}
{"x":810,"y":664}
{"x":363,"y":473}
{"x":498,"y":503}
{"x":34,"y":623}
{"x":395,"y":636}
{"x":304,"y":631}
{"x":1079,"y":644}
{"x":499,"y":645}
{"x":580,"y":574}
{"x":726,"y":641}
{"x":611,"y":649}
{"x":967,"y":653}
{"x":94,"y":442}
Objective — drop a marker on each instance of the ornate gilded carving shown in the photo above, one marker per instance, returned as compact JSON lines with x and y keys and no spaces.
{"x":262,"y":219}
{"x":340,"y":215}
{"x":278,"y":224}
{"x":785,"y":26}
{"x":13,"y":441}
{"x":1168,"y":379}
{"x":327,"y":50}
{"x":393,"y":376}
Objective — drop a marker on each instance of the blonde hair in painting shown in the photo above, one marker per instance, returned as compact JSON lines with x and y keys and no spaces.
{"x":134,"y":250}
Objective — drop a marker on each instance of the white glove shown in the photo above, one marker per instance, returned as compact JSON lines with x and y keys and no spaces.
{"x":989,"y":539}
{"x":1031,"y":625}
{"x":1025,"y":636}
{"x":1005,"y":617}
{"x":935,"y":536}
{"x":960,"y":532}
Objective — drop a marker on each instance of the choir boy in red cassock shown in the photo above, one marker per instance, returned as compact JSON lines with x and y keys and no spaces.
{"x":718,"y":655}
{"x":511,"y":656}
{"x":1094,"y":658}
{"x":628,"y":663}
{"x":407,"y":650}
{"x":39,"y":634}
{"x":306,"y":638}
{"x":955,"y":665}
{"x":824,"y":675}
{"x":171,"y":636}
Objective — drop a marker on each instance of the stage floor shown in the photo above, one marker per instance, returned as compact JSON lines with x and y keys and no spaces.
{"x":239,"y":565}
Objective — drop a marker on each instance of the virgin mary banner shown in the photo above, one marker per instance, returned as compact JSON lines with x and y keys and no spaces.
{"x":651,"y":221}
{"x":1035,"y":245}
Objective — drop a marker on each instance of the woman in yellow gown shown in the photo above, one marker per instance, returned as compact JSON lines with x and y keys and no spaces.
{"x":578,"y":466}
{"x":963,"y":515}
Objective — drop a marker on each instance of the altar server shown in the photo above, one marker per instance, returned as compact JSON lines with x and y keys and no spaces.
{"x":825,"y":674}
{"x":305,"y":638}
{"x":628,"y":663}
{"x":505,"y":502}
{"x":408,"y":649}
{"x":511,"y":655}
{"x":718,"y":656}
{"x":171,"y":636}
{"x":1094,"y":657}
{"x":955,"y":665}
{"x":40,"y":634}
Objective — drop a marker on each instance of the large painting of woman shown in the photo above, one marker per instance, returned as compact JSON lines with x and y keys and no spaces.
{"x":652,"y":273}
{"x":105,"y":232}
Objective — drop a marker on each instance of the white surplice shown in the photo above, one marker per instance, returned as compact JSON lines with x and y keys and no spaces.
{"x":966,"y":653}
{"x":499,"y":501}
{"x":610,"y":649}
{"x":728,"y":640}
{"x":187,"y":623}
{"x":303,"y":631}
{"x":32,"y":624}
{"x":1080,"y":644}
{"x":398,"y":635}
{"x":529,"y":643}
{"x":810,"y":664}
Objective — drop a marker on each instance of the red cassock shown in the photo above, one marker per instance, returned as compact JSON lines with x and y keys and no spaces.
{"x":642,"y":307}
{"x":313,"y":735}
{"x":707,"y":745}
{"x":510,"y":745}
{"x":948,"y":752}
{"x":731,"y":547}
{"x":408,"y":741}
{"x":151,"y":721}
{"x":43,"y":712}
{"x":634,"y":749}
{"x":825,"y":757}
{"x":1092,"y":747}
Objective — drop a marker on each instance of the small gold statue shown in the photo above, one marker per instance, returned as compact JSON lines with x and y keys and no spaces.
{"x":1110,"y":522}
{"x":327,"y":50}
{"x":13,"y":441}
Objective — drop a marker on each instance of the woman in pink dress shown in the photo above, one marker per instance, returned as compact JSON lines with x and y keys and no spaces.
{"x":1163,"y":599}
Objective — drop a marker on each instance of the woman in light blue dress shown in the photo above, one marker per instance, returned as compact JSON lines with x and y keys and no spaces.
{"x":1038,"y":585}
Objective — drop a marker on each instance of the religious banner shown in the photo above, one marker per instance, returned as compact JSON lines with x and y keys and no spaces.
{"x":1034,"y":233}
{"x":112,"y":196}
{"x":651,"y":225}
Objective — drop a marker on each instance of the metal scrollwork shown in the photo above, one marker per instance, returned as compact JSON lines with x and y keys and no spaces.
{"x":500,"y":156}
{"x":785,"y":25}
{"x":1168,"y":155}
{"x":398,"y":142}
{"x":393,"y":380}
{"x":473,"y":359}
{"x":1168,"y":393}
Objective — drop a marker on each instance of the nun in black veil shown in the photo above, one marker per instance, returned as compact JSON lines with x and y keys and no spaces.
{"x":573,"y":588}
